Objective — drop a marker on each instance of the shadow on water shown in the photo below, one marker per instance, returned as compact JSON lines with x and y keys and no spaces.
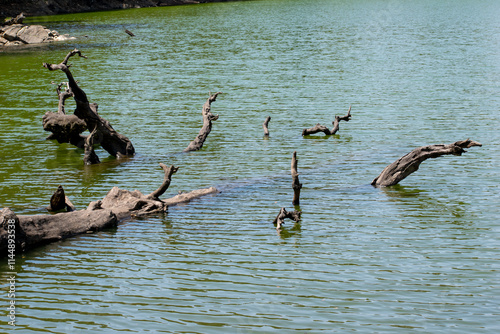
{"x":418,"y":205}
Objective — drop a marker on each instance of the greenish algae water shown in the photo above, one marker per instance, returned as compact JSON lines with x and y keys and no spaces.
{"x":420,"y":257}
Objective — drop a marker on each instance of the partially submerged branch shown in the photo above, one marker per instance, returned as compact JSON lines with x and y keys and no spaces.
{"x":296,"y":185}
{"x":266,"y":123}
{"x":208,"y":117}
{"x":169,"y":171}
{"x":321,"y":128}
{"x":113,"y":142}
{"x":283,"y":214}
{"x":404,"y":166}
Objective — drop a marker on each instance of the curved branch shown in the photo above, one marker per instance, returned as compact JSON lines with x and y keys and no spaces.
{"x":409,"y":163}
{"x":266,"y":123}
{"x":208,"y":117}
{"x":169,"y":171}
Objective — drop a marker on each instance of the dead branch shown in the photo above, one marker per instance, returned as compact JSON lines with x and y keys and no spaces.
{"x":404,"y":166}
{"x":113,"y":142}
{"x":321,"y":128}
{"x":169,"y":171}
{"x":296,"y":185}
{"x":90,"y":157}
{"x":283,"y":214}
{"x":208,"y":117}
{"x":266,"y":123}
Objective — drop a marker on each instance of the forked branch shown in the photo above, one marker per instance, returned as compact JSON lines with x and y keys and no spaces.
{"x":208,"y":117}
{"x":283,"y":214}
{"x":321,"y":128}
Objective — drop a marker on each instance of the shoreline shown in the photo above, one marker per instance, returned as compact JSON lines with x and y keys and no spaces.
{"x":44,"y":8}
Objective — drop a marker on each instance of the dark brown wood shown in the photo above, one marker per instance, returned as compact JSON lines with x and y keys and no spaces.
{"x":409,"y":163}
{"x":265,"y":126}
{"x":129,"y":33}
{"x":321,"y":128}
{"x":113,"y":142}
{"x":90,"y":157}
{"x":208,"y":117}
{"x":296,"y":185}
{"x":283,"y":214}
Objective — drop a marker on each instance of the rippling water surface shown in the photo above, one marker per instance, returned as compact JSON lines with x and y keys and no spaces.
{"x":422,"y":256}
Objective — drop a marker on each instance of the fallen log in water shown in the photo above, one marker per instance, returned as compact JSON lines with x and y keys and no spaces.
{"x":409,"y":163}
{"x":27,"y":232}
{"x":101,"y":131}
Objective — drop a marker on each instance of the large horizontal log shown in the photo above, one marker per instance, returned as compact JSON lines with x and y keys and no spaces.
{"x":117,"y":205}
{"x":409,"y":163}
{"x":36,"y":230}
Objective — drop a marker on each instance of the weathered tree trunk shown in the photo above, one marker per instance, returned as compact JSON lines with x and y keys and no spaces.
{"x":410,"y":163}
{"x":321,"y":128}
{"x":208,"y":117}
{"x":283,"y":214}
{"x":296,"y":185}
{"x":266,"y":123}
{"x":117,"y":205}
{"x":113,"y":142}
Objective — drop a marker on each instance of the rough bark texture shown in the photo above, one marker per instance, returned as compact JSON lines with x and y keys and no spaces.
{"x":321,"y":128}
{"x":113,"y":142}
{"x":283,"y":214}
{"x":117,"y":205}
{"x":32,"y":231}
{"x":296,"y":185}
{"x":208,"y":117}
{"x":266,"y":123}
{"x":410,"y":163}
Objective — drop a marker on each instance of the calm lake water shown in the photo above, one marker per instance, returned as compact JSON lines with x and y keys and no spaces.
{"x":420,"y":257}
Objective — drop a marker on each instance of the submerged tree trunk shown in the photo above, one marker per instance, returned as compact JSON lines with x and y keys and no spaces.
{"x":296,"y":185}
{"x":321,"y":128}
{"x":208,"y":117}
{"x":117,"y":205}
{"x":113,"y":142}
{"x":410,"y":163}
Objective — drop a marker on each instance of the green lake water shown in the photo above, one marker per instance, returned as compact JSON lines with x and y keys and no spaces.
{"x":420,"y":257}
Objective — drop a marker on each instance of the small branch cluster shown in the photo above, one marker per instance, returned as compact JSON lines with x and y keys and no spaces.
{"x":280,"y":218}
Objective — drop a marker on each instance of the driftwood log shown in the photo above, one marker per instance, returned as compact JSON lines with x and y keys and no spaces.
{"x":321,"y":128}
{"x":296,"y":185}
{"x":283,"y":214}
{"x":410,"y":163}
{"x":117,"y":205}
{"x":102,"y":132}
{"x":208,"y":117}
{"x":265,"y":126}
